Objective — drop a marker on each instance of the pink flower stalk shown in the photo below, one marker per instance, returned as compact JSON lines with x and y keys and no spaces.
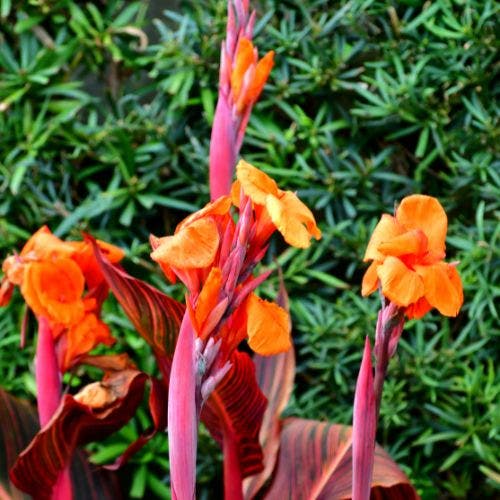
{"x":364,"y":426}
{"x":215,"y":258}
{"x":48,"y":382}
{"x":241,"y":79}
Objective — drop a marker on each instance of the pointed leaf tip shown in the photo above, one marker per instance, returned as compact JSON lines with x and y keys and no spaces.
{"x":364,"y":428}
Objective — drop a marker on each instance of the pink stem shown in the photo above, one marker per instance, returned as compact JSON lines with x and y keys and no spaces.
{"x":48,"y":377}
{"x":183,"y":415}
{"x":49,"y":387}
{"x":363,"y":429}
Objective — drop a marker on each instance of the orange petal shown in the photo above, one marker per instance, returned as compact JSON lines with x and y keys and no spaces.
{"x":6,"y":289}
{"x":43,"y":245}
{"x":54,"y":290}
{"x":370,"y":279}
{"x":194,"y":246}
{"x":83,"y":337}
{"x":245,"y":57}
{"x":262,"y":71}
{"x":255,"y":184}
{"x":425,"y":213}
{"x":417,"y":310}
{"x":443,"y":287}
{"x":387,"y":229}
{"x":13,"y":267}
{"x":84,"y":256}
{"x":400,"y":284}
{"x":268,"y":327}
{"x":411,"y":242}
{"x":292,"y":219}
{"x":209,"y":297}
{"x":220,"y":206}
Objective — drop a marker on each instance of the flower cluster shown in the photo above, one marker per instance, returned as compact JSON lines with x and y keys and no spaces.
{"x":214,"y":256}
{"x":407,"y":252}
{"x":61,"y":282}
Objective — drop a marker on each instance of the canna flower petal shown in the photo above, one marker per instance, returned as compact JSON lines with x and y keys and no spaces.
{"x":370,"y":279}
{"x":411,"y":242}
{"x":443,"y":287}
{"x":288,"y":214}
{"x":255,"y":183}
{"x":218,"y":207}
{"x":83,"y":337}
{"x":418,"y":309}
{"x":83,"y":255}
{"x":425,"y":213}
{"x":44,"y":245}
{"x":387,"y":229}
{"x":262,"y":71}
{"x":268,"y":327}
{"x":54,"y":290}
{"x":399,"y":284}
{"x":208,"y":299}
{"x":292,"y":219}
{"x":194,"y":246}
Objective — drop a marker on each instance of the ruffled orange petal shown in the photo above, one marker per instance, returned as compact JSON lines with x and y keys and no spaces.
{"x":43,"y":245}
{"x":255,"y":184}
{"x":399,"y":284}
{"x":54,"y":290}
{"x":419,"y":309}
{"x":411,"y":242}
{"x":386,"y":230}
{"x":262,"y":70}
{"x":84,"y":256}
{"x":370,"y":279}
{"x":194,"y":246}
{"x":425,"y":213}
{"x":245,"y":57}
{"x":268,"y":327}
{"x":13,"y":267}
{"x":443,"y":287}
{"x":292,"y":219}
{"x":220,"y":206}
{"x":83,"y":337}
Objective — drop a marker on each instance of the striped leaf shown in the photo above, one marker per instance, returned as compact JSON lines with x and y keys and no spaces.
{"x":233,"y":415}
{"x":18,"y":425}
{"x":275,"y":376}
{"x":315,"y":461}
{"x":96,"y":412}
{"x":155,"y":315}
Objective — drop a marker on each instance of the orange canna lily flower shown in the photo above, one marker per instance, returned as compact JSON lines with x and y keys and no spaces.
{"x":214,"y":256}
{"x":406,"y":251}
{"x":53,"y":276}
{"x":249,"y":75}
{"x":287,"y":213}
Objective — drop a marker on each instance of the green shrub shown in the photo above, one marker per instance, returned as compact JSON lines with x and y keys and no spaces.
{"x":105,"y":123}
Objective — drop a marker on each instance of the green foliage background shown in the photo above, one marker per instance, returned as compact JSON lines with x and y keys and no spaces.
{"x":105,"y":114}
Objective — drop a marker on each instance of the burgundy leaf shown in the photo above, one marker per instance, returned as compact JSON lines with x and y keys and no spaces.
{"x":315,"y":461}
{"x":155,"y":315}
{"x":275,"y":376}
{"x":18,"y":425}
{"x":158,"y":397}
{"x":234,"y":412}
{"x":93,"y":414}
